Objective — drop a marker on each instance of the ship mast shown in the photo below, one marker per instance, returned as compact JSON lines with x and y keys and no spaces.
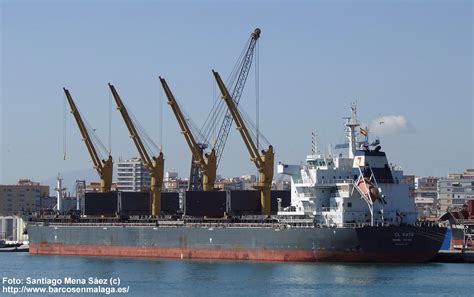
{"x":351,"y":125}
{"x":59,"y":193}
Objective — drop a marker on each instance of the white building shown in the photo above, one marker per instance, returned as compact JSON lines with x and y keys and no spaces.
{"x":426,"y":182}
{"x":171,"y":175}
{"x":12,"y":229}
{"x":426,"y":196}
{"x":132,"y":176}
{"x":455,"y":190}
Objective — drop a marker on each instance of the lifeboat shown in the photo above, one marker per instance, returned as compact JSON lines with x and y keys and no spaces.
{"x":368,"y":189}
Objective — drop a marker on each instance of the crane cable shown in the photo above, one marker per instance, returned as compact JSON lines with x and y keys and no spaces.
{"x":252,"y":128}
{"x":160,"y":115}
{"x":214,"y":122}
{"x":64,"y":128}
{"x":91,"y":131}
{"x":219,"y":109}
{"x":110,"y":124}
{"x":257,"y":92}
{"x":147,"y":141}
{"x":98,"y":144}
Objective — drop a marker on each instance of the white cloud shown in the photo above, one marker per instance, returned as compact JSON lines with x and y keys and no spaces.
{"x":390,"y":124}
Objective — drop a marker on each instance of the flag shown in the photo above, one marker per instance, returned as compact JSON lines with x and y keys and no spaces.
{"x":363,"y":132}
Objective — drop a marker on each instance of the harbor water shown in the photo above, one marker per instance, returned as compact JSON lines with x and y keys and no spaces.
{"x":156,"y":277}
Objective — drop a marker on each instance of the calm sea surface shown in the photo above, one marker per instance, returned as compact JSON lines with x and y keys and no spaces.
{"x":150,"y":277}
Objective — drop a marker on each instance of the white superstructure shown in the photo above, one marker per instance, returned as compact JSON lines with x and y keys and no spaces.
{"x":362,"y":188}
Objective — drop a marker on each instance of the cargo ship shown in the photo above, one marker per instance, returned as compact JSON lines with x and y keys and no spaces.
{"x":352,"y":207}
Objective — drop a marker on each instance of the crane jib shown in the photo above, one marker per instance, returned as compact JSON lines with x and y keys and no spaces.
{"x":236,"y":94}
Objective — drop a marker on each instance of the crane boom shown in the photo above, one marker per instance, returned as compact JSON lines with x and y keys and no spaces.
{"x":103,"y":167}
{"x":263,"y":161}
{"x":236,"y":93}
{"x":155,"y":165}
{"x":131,"y":128}
{"x":206,"y":163}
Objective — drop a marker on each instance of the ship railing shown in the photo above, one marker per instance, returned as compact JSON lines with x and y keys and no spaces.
{"x":305,"y":196}
{"x":287,"y":224}
{"x":354,"y":225}
{"x":159,"y":224}
{"x":232,"y":225}
{"x":464,"y":221}
{"x":325,"y":209}
{"x":340,"y":194}
{"x":326,"y":181}
{"x":427,"y":223}
{"x":343,"y":225}
{"x":283,"y":225}
{"x":302,"y":181}
{"x":92,"y":224}
{"x":343,"y":181}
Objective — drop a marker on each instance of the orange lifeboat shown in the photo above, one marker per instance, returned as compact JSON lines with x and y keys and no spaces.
{"x":368,"y":189}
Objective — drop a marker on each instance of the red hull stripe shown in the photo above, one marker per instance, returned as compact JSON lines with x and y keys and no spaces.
{"x":226,"y":254}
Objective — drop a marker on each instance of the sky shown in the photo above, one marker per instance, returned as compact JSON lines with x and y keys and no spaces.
{"x":407,"y":64}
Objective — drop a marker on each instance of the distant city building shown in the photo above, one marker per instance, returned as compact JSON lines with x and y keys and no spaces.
{"x":24,"y":197}
{"x":426,"y":194}
{"x":426,"y":182}
{"x":12,"y":229}
{"x":455,"y":190}
{"x":230,"y":184}
{"x":131,"y":172}
{"x":175,"y":184}
{"x":132,"y":176}
{"x":95,"y":186}
{"x":244,"y":182}
{"x":250,"y":178}
{"x":171,"y":175}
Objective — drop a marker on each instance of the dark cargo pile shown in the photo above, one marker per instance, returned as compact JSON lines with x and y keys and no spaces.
{"x":196,"y":203}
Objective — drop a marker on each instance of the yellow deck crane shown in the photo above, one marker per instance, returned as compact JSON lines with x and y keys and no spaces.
{"x":263,"y":161}
{"x":154,"y":165}
{"x":103,"y":167}
{"x":207,"y":163}
{"x":220,"y":113}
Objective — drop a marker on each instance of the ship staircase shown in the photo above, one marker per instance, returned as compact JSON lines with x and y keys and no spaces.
{"x":468,"y":240}
{"x":455,"y":217}
{"x":368,"y":196}
{"x":306,"y":176}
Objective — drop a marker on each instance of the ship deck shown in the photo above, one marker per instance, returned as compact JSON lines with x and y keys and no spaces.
{"x":274,"y":222}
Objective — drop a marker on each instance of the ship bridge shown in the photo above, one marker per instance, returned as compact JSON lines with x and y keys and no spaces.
{"x":372,"y":161}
